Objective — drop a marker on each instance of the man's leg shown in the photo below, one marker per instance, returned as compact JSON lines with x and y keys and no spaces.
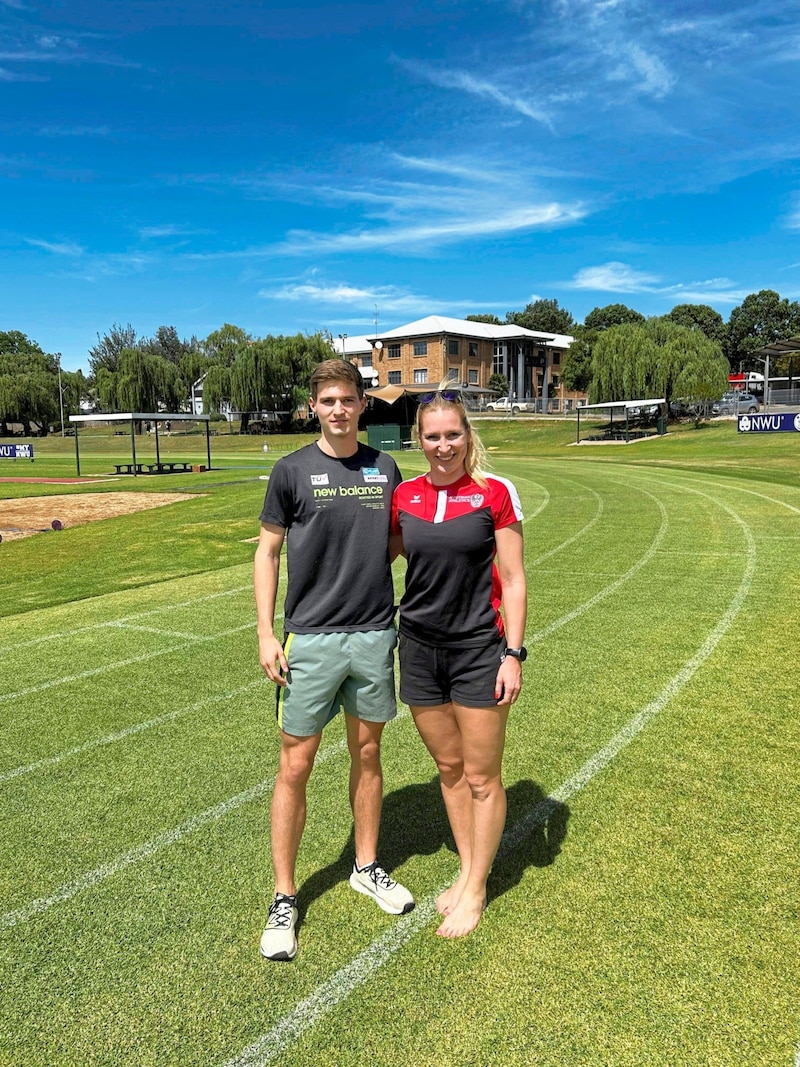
{"x":288,"y":817}
{"x":366,"y":785}
{"x":366,"y":796}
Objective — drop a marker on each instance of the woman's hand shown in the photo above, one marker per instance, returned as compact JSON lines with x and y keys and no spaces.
{"x":509,"y":680}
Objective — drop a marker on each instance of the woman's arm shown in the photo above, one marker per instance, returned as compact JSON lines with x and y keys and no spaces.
{"x":510,"y":567}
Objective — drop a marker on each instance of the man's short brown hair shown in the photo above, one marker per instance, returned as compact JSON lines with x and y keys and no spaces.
{"x":336,"y":370}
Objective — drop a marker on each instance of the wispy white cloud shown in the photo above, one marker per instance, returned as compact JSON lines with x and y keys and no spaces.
{"x":645,"y":71}
{"x":425,"y":236}
{"x":614,"y":278}
{"x":622,"y":278}
{"x":15,"y":76}
{"x":169,"y":230}
{"x":480,"y":87}
{"x":57,"y":248}
{"x":75,"y":131}
{"x":390,"y":299}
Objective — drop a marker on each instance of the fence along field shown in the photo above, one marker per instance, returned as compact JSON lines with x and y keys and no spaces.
{"x":643,"y":907}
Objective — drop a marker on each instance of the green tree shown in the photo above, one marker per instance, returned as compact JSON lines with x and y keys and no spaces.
{"x":611,"y":315}
{"x":544,"y":316}
{"x":28,"y":383}
{"x":226,"y":344}
{"x":761,"y":319}
{"x":699,"y":317}
{"x":576,"y":364}
{"x":499,"y":383}
{"x":106,"y":353}
{"x":659,"y":358}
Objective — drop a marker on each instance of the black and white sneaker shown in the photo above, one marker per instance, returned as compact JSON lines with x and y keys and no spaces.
{"x":373,"y":881}
{"x":278,"y":942}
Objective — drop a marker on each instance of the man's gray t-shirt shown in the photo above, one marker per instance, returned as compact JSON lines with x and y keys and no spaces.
{"x":336,"y":513}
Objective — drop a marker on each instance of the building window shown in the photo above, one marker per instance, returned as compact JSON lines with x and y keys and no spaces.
{"x":473,"y":377}
{"x":366,"y":360}
{"x":394,"y":351}
{"x":394,"y":377}
{"x":452,"y":346}
{"x":473,"y":350}
{"x":454,"y":374}
{"x":421,"y":348}
{"x":421,"y":376}
{"x":554,"y":382}
{"x":556,"y":359}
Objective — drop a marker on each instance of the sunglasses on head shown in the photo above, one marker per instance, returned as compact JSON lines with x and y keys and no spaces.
{"x":451,"y":395}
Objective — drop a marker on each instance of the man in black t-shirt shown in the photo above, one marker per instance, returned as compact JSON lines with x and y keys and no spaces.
{"x":331,"y":503}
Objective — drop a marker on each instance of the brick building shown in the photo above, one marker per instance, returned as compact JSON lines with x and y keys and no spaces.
{"x":430,"y":349}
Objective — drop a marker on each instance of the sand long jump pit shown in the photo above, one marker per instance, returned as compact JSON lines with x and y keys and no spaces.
{"x":25,"y":516}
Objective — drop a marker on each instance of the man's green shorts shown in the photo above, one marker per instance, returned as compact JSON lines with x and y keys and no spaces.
{"x":327,"y":673}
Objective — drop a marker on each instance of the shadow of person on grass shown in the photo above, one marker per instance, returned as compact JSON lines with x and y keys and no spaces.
{"x":414,"y":823}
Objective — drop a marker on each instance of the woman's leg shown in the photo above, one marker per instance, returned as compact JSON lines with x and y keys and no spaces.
{"x":482,"y":732}
{"x":439,"y":731}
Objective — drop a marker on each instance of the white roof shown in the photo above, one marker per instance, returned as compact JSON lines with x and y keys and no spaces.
{"x":353,"y":346}
{"x":468,"y":328}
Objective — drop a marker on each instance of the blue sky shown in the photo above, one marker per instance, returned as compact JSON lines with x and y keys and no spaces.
{"x":319,"y":165}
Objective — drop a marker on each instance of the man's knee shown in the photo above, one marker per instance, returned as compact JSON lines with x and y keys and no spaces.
{"x":296,"y":763}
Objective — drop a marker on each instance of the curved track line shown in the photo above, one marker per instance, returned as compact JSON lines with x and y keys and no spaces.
{"x":128,"y":731}
{"x":63,"y":635}
{"x":338,"y":987}
{"x":606,"y":591}
{"x":143,"y":658}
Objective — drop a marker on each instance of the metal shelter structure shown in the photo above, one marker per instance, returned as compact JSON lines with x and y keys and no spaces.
{"x":627,"y":407}
{"x":133,"y":417}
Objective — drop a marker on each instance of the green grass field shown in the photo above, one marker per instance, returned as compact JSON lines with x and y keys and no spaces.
{"x":644,"y":905}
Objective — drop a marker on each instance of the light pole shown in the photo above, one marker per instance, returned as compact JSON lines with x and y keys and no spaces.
{"x":343,"y":339}
{"x":60,"y":393}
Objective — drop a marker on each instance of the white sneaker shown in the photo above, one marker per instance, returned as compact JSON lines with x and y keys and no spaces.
{"x":373,"y":881}
{"x":278,"y":942}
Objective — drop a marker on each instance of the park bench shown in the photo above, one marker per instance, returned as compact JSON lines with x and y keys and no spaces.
{"x":129,"y":468}
{"x":170,"y":467}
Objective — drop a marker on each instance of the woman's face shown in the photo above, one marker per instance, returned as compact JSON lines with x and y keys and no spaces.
{"x":443,"y":438}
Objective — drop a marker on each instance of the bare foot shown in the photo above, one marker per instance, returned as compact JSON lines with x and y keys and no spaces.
{"x":448,"y":900}
{"x":463,"y":918}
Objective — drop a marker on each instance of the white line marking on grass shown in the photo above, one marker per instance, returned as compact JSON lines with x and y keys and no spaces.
{"x":94,"y":671}
{"x":575,"y":536}
{"x":128,"y":731}
{"x":126,"y":618}
{"x":154,"y":630}
{"x":340,"y":985}
{"x":149,"y":848}
{"x":797,"y":1057}
{"x":615,"y":585}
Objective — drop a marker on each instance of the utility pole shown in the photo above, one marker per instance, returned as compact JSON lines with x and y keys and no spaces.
{"x":60,"y":393}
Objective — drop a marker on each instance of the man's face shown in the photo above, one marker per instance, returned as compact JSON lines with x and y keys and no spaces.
{"x":338,"y":407}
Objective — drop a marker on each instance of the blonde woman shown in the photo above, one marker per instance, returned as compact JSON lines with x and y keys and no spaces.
{"x":460,"y":659}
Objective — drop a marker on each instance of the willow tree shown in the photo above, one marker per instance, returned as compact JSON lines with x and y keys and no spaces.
{"x":659,"y":358}
{"x":28,"y":383}
{"x":623,"y":361}
{"x":147,"y":383}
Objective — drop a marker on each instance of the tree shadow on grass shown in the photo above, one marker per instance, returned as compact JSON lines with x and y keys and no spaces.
{"x":414,"y":823}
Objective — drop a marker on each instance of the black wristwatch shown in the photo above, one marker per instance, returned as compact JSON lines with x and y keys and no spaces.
{"x":518,"y":653}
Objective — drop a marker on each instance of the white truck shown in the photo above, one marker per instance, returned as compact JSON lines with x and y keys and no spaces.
{"x":525,"y":403}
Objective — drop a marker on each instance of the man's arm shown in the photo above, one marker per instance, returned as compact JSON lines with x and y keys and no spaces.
{"x":266,"y":573}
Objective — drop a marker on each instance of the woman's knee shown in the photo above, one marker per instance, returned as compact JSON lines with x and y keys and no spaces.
{"x":484,"y":786}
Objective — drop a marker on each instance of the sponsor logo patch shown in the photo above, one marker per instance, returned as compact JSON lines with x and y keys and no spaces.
{"x":373,"y":474}
{"x":319,"y":479}
{"x":475,"y":500}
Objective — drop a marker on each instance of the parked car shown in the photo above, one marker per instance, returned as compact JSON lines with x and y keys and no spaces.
{"x":526,"y":403}
{"x":736,"y":403}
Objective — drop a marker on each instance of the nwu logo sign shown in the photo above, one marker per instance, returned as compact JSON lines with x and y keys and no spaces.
{"x":780,"y":422}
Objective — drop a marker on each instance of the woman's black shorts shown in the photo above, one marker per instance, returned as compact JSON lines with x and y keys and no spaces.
{"x":431,"y":676}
